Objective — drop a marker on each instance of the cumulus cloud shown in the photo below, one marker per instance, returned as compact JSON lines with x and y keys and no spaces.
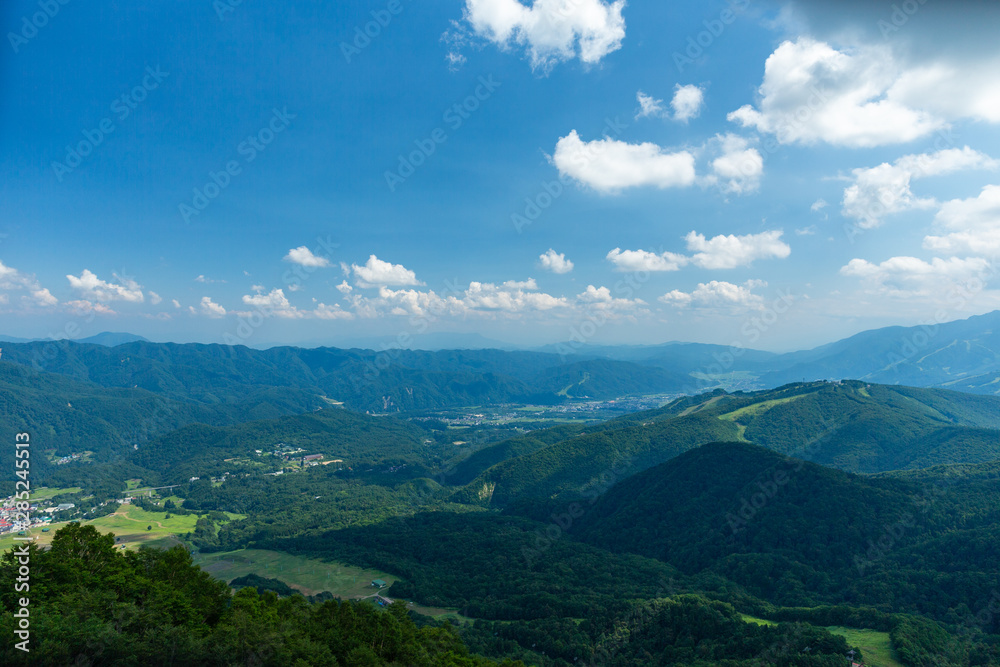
{"x":909,"y":276}
{"x":814,"y":93}
{"x":303,"y":256}
{"x":885,"y":189}
{"x":719,"y":252}
{"x":555,"y":262}
{"x":739,"y":168}
{"x":210,"y":309}
{"x":717,"y":294}
{"x":334,"y":312}
{"x":377,"y":273}
{"x":973,"y":225}
{"x":84,"y":307}
{"x":13,"y":280}
{"x":489,"y":297}
{"x":687,"y":102}
{"x":273,"y":303}
{"x":551,"y":31}
{"x":93,"y":288}
{"x":730,"y":251}
{"x":644,"y":260}
{"x":609,"y":165}
{"x":600,"y":299}
{"x":344,"y":288}
{"x":648,"y":106}
{"x":511,"y":298}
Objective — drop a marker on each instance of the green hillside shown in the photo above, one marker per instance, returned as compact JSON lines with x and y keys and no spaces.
{"x":799,"y":534}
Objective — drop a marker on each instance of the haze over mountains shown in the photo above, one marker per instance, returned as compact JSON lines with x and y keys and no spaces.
{"x":963,"y":355}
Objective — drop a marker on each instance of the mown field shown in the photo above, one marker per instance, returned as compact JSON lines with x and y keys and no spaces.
{"x":875,"y":646}
{"x":129,"y":525}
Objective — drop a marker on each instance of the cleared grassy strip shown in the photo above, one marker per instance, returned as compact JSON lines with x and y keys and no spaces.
{"x":758,"y":408}
{"x":308,"y":575}
{"x":875,"y":646}
{"x":44,"y":493}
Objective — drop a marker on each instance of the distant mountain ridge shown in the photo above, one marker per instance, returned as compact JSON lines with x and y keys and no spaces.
{"x":105,"y":338}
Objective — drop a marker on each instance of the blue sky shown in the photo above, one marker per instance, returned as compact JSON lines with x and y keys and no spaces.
{"x":773,"y":175}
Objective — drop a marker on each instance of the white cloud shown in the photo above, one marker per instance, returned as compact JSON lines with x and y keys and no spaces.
{"x":14,"y":280}
{"x":43,"y":297}
{"x":600,"y":299}
{"x":528,"y":284}
{"x":376,"y":273}
{"x":154,"y":298}
{"x":648,"y":106}
{"x":93,"y":288}
{"x":730,"y":251}
{"x":489,"y":297}
{"x":812,"y":92}
{"x":210,"y":281}
{"x":687,"y":102}
{"x":716,"y":294}
{"x":512,"y":298}
{"x":973,"y":225}
{"x":609,"y":165}
{"x":966,"y":90}
{"x":818,"y":205}
{"x":739,"y":169}
{"x":344,"y":288}
{"x":719,"y":252}
{"x":334,"y":312}
{"x":806,"y":231}
{"x":551,"y":30}
{"x":555,"y":262}
{"x":643,"y":260}
{"x":210,"y":308}
{"x":885,"y":189}
{"x":273,"y":303}
{"x":909,"y":276}
{"x":303,"y":256}
{"x":84,"y":307}
{"x":177,"y":304}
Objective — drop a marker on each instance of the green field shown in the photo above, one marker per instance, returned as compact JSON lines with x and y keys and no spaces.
{"x":876,"y":648}
{"x":44,"y":492}
{"x":128,"y":524}
{"x":308,"y":575}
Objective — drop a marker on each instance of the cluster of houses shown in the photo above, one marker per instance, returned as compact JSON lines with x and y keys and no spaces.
{"x":40,"y":517}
